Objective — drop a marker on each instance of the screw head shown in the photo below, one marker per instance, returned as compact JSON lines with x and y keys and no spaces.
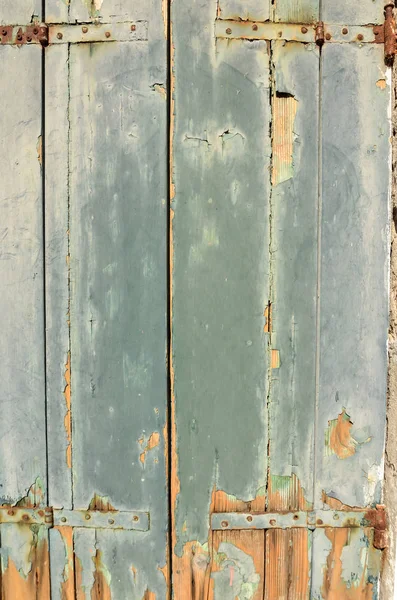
{"x":272,"y":522}
{"x":255,"y":27}
{"x":360,"y":37}
{"x":84,"y":29}
{"x":87,"y":517}
{"x":25,"y":518}
{"x":59,"y":35}
{"x":133,"y":27}
{"x":249,"y":519}
{"x":336,"y":517}
{"x":320,"y":521}
{"x":228,"y":31}
{"x":35,"y":31}
{"x":107,"y":34}
{"x":111,"y":521}
{"x":304,"y":29}
{"x":328,"y":36}
{"x":11,"y":512}
{"x":63,"y":519}
{"x":135,"y":518}
{"x":4,"y":32}
{"x":296,"y":517}
{"x":345,"y":30}
{"x":224,"y":524}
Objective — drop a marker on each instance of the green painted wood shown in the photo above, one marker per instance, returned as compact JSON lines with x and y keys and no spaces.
{"x":297,"y":11}
{"x":351,"y":13}
{"x":19,"y":12}
{"x":220,"y":267}
{"x":22,"y":426}
{"x":294,"y":216}
{"x":57,"y":276}
{"x":354,"y":275}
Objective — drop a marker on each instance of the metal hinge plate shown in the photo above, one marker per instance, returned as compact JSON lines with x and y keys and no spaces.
{"x":94,"y":519}
{"x":373,"y":517}
{"x":54,"y":33}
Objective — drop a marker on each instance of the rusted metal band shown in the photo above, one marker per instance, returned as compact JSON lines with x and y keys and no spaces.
{"x":94,"y":519}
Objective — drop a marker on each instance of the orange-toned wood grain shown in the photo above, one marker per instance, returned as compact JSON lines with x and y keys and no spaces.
{"x":67,"y":585}
{"x":36,"y":584}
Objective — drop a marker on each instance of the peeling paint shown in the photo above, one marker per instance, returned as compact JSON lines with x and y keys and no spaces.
{"x":268,"y":318}
{"x":101,"y":587}
{"x":160,"y":88}
{"x":148,"y":595}
{"x":68,"y":415}
{"x":275,"y":359}
{"x":94,"y":6}
{"x":237,"y":577}
{"x":338,"y":438}
{"x":381,"y":84}
{"x":286,"y":493}
{"x":67,"y":585}
{"x":101,"y":503}
{"x":153,"y":442}
{"x":284,"y":112}
{"x":35,"y":495}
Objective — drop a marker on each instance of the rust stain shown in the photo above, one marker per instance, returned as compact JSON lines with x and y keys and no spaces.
{"x":284,"y":112}
{"x":381,"y":83}
{"x":338,"y":438}
{"x":334,"y":586}
{"x":39,"y":148}
{"x":275,"y":359}
{"x":101,"y":586}
{"x":15,"y":585}
{"x":67,"y":586}
{"x":101,"y":503}
{"x":153,"y":442}
{"x":68,"y":415}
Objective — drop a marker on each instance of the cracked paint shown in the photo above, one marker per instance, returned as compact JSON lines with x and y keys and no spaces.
{"x":68,"y":415}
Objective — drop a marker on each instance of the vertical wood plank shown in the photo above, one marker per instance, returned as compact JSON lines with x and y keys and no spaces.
{"x":251,"y":10}
{"x":297,"y":11}
{"x":354,"y":275}
{"x":19,"y":12}
{"x":220,"y":263}
{"x":348,"y":13}
{"x":62,"y":563}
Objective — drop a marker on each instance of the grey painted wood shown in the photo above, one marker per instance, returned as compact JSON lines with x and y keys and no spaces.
{"x":350,"y":13}
{"x":354,"y":274}
{"x":57,"y":11}
{"x":220,"y":177}
{"x":297,"y":11}
{"x":22,"y":426}
{"x":57,"y":276}
{"x":294,"y":201}
{"x":251,"y":10}
{"x":19,"y":12}
{"x":120,"y":10}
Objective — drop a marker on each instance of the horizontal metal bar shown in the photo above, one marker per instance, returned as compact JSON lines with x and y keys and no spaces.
{"x":94,"y":519}
{"x":73,"y":33}
{"x":254,"y":30}
{"x":98,"y":32}
{"x":302,"y":519}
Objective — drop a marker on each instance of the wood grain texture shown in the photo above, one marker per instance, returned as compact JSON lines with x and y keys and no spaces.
{"x":293,"y":279}
{"x":354,"y":276}
{"x":220,"y":176}
{"x":22,"y":426}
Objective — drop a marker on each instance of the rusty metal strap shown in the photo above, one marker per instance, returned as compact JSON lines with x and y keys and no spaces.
{"x":53,"y":33}
{"x":306,"y":519}
{"x":94,"y":519}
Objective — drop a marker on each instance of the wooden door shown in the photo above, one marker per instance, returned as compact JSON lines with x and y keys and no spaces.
{"x":194,"y":299}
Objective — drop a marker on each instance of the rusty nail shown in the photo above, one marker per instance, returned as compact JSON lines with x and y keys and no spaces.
{"x":41,"y":513}
{"x":224,"y":523}
{"x":272,"y":522}
{"x":63,"y":519}
{"x":228,"y":31}
{"x":35,"y":31}
{"x":328,"y":36}
{"x":345,"y":30}
{"x":336,"y":517}
{"x":304,"y":29}
{"x":11,"y":512}
{"x":59,"y":35}
{"x":29,"y":39}
{"x":111,"y":521}
{"x":249,"y":518}
{"x":133,"y":27}
{"x":319,"y":521}
{"x":107,"y":34}
{"x":296,"y":517}
{"x":136,"y":518}
{"x":5,"y":32}
{"x":25,"y":518}
{"x":87,"y":517}
{"x":360,"y":37}
{"x":255,"y":27}
{"x":19,"y":37}
{"x":84,"y":29}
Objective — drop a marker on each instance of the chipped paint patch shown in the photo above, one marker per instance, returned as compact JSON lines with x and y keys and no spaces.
{"x":286,"y":493}
{"x":338,"y":437}
{"x":101,"y":503}
{"x":35,"y":495}
{"x":381,"y":84}
{"x":268,"y":318}
{"x":153,"y":442}
{"x":160,"y":89}
{"x":67,"y":585}
{"x":275,"y":359}
{"x":101,"y":587}
{"x":284,"y":112}
{"x":68,"y":415}
{"x":94,"y":7}
{"x":148,"y":595}
{"x":236,"y":577}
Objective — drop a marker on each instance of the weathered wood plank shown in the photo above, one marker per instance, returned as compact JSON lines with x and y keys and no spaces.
{"x":354,"y":275}
{"x":293,"y":278}
{"x":118,"y":266}
{"x":57,"y":11}
{"x":297,"y":11}
{"x":220,"y":187}
{"x":62,"y":564}
{"x":349,"y":13}
{"x":251,"y":10}
{"x":19,"y":12}
{"x":22,"y":426}
{"x":57,"y":277}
